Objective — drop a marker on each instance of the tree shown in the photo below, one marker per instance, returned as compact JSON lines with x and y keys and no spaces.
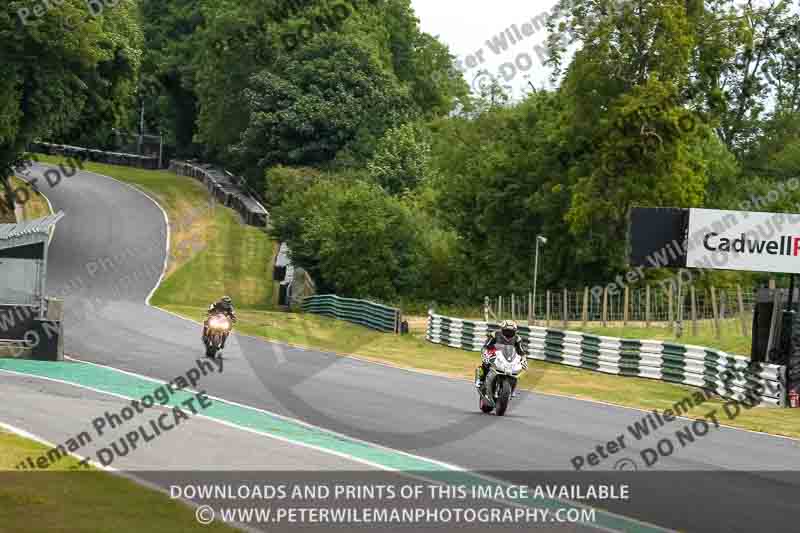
{"x":764,"y":41}
{"x":168,"y":69}
{"x":629,"y":133}
{"x":281,"y":183}
{"x":235,"y":41}
{"x":776,"y":154}
{"x":331,"y":99}
{"x":112,"y":84}
{"x":422,"y":61}
{"x":354,"y":240}
{"x":402,"y":159}
{"x":49,"y":70}
{"x":497,"y":185}
{"x":273,"y":68}
{"x":740,"y":56}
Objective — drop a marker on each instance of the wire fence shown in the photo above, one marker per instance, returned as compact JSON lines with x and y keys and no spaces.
{"x":652,"y":304}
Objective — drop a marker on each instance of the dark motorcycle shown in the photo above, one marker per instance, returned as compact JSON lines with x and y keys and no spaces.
{"x":217,"y":328}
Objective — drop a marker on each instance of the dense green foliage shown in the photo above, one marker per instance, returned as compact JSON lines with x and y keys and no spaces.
{"x":62,"y":70}
{"x":402,"y":159}
{"x":281,"y":82}
{"x":328,"y":101}
{"x":387,"y":179}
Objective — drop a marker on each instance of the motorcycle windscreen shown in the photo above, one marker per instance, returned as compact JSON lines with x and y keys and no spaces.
{"x":509,"y":352}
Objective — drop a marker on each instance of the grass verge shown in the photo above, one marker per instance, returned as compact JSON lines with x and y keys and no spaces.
{"x":730,"y":340}
{"x":32,"y":202}
{"x":61,"y":499}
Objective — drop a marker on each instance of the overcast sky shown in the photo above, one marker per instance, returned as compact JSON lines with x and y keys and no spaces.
{"x":466,"y":26}
{"x":477,"y":29}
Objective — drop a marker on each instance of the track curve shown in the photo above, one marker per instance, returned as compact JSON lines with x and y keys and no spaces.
{"x":107,"y":255}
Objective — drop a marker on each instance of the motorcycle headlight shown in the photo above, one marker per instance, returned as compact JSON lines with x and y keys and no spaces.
{"x":219,"y":323}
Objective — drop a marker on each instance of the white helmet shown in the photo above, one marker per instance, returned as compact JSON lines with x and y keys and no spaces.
{"x":508,"y":329}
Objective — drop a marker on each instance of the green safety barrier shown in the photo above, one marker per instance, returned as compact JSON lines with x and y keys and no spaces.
{"x":730,"y":376}
{"x":362,"y":312}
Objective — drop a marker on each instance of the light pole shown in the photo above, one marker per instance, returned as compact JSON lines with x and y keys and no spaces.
{"x":160,"y":149}
{"x":543,"y":240}
{"x":141,"y":127}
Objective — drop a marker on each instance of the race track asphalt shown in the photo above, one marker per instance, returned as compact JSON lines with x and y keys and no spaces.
{"x":57,"y":412}
{"x":108,"y":253}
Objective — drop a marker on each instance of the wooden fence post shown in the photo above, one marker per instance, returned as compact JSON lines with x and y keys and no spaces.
{"x":565,"y":311}
{"x":670,"y":316}
{"x":681,"y":298}
{"x":530,"y":308}
{"x":585,"y":315}
{"x":626,"y":303}
{"x":694,"y":310}
{"x":714,"y":312}
{"x":647,"y":306}
{"x":741,"y":309}
{"x":773,"y":327}
{"x":513,"y":301}
{"x":547,"y":310}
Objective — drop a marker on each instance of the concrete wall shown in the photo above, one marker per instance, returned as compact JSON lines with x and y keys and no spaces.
{"x":16,"y":320}
{"x":45,"y":338}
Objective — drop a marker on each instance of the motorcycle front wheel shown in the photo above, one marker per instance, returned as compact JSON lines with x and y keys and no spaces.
{"x":503,"y":397}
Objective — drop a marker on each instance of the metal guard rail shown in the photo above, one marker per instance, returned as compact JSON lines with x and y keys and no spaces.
{"x":365,"y":313}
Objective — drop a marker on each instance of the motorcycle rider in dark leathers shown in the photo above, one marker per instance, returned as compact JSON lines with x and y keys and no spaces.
{"x":506,"y":335}
{"x":225,"y":306}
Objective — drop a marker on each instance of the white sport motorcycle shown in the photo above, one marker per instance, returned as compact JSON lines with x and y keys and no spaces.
{"x":506,"y":366}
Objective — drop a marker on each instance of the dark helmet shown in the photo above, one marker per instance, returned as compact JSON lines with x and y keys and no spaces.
{"x":508,"y":329}
{"x":227,"y":300}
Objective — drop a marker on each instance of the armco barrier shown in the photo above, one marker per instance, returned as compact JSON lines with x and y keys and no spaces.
{"x":98,"y":156}
{"x":730,"y":376}
{"x":228,"y":189}
{"x":793,"y":372}
{"x":362,"y":312}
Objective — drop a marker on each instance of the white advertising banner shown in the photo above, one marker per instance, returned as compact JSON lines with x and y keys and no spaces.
{"x":743,"y":240}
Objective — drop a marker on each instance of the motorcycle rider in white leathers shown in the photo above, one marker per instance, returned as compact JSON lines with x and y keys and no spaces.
{"x":506,"y":335}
